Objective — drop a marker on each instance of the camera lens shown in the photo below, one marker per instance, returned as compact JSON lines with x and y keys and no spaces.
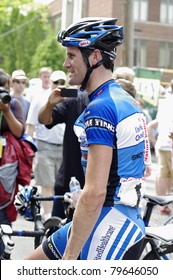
{"x":4,"y":95}
{"x":6,"y":99}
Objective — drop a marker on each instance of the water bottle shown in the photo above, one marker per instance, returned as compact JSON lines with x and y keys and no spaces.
{"x":75,"y":190}
{"x":74,"y":185}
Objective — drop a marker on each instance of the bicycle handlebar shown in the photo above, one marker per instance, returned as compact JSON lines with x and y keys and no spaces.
{"x":47,"y":198}
{"x":66,"y":197}
{"x":27,"y":233}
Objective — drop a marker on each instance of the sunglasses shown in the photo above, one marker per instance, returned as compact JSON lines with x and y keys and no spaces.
{"x":20,"y":82}
{"x":59,"y":82}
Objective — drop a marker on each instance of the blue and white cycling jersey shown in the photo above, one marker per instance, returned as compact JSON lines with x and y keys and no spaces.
{"x":113,"y":118}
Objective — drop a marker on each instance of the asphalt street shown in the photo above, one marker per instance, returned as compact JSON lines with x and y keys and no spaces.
{"x":24,"y":245}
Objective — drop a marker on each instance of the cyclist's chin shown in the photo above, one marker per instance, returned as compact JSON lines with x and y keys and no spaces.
{"x":74,"y":81}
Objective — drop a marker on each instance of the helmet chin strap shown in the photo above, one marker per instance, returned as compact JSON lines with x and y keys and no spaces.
{"x":89,"y":70}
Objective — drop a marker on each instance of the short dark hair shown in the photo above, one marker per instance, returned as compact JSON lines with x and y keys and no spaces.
{"x":108,"y":64}
{"x":4,"y":79}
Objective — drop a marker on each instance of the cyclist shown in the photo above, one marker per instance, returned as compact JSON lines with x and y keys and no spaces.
{"x":107,"y":222}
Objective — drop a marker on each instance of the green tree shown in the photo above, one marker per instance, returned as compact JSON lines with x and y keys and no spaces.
{"x":49,"y":53}
{"x":25,"y":28}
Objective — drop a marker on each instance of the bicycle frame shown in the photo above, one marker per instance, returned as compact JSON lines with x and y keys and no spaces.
{"x":152,"y":201}
{"x":38,"y":233}
{"x":157,"y":237}
{"x":156,"y":242}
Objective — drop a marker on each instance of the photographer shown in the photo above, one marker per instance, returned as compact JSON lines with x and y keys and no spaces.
{"x":12,"y":120}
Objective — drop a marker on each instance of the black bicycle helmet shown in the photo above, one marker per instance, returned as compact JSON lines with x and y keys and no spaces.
{"x":93,"y":33}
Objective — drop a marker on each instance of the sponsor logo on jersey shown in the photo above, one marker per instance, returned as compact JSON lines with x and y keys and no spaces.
{"x":97,"y":122}
{"x":50,"y":246}
{"x":137,"y":156}
{"x":103,"y":242}
{"x":139,"y":132}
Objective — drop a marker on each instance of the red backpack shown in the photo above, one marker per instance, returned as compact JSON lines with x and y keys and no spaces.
{"x":15,"y":166}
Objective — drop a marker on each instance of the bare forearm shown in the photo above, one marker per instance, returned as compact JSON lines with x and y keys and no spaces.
{"x":84,"y":219}
{"x":91,"y":200}
{"x":30,"y":129}
{"x":153,"y":124}
{"x":151,"y":136}
{"x":45,"y":114}
{"x":16,"y":128}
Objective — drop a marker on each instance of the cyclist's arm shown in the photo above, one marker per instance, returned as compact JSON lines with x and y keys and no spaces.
{"x":91,"y":199}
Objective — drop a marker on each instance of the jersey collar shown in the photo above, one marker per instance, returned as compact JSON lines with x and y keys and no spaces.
{"x":99,"y":90}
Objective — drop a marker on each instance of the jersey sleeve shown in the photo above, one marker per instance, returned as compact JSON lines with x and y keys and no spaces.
{"x":100,"y":123}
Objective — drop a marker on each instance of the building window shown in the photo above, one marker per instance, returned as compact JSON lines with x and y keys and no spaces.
{"x":140,"y":53}
{"x":166,"y":11}
{"x":71,"y":12}
{"x":140,"y":10}
{"x":166,"y":55}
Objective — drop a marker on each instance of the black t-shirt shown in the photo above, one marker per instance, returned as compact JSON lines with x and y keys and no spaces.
{"x":67,"y":112}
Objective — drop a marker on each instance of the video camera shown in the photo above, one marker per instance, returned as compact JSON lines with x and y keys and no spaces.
{"x":5,"y":95}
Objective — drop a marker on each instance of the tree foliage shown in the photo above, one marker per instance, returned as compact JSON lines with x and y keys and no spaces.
{"x":49,"y":53}
{"x":27,"y":40}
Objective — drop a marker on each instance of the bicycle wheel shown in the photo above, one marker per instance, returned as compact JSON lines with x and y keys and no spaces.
{"x":51,"y":225}
{"x":166,"y":254}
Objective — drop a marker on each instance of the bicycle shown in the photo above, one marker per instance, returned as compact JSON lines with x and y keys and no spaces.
{"x":160,"y":238}
{"x":31,"y":211}
{"x":156,"y":237}
{"x":159,"y":243}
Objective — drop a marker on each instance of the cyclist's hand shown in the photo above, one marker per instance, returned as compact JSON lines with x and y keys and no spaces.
{"x":75,"y":196}
{"x":68,"y":198}
{"x":72,"y":198}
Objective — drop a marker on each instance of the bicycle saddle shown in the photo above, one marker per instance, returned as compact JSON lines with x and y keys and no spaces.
{"x":160,"y":200}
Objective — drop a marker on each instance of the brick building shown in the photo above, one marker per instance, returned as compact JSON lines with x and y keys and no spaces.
{"x":148,"y":26}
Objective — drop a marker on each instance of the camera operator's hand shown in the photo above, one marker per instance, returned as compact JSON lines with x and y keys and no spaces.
{"x":45,"y":114}
{"x":15,"y":126}
{"x":55,"y":97}
{"x":4,"y":107}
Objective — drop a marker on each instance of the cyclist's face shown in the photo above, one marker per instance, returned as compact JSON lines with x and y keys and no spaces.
{"x":75,"y":65}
